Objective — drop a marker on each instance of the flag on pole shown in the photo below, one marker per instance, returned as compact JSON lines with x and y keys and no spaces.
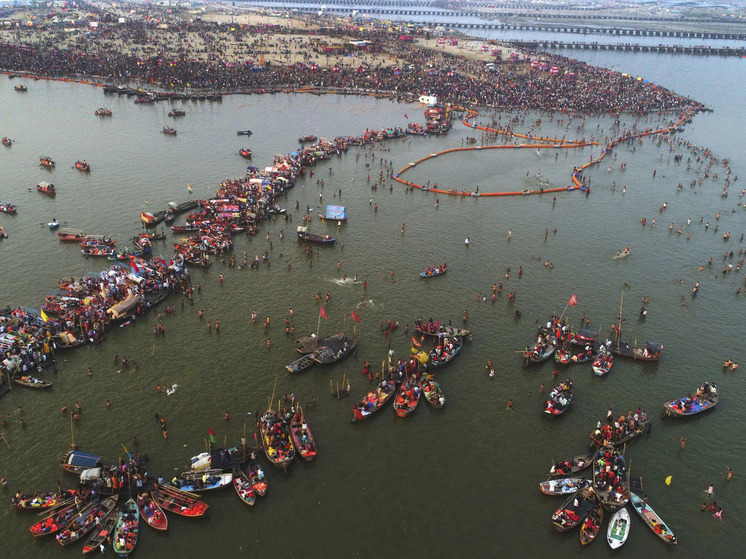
{"x":189,"y":188}
{"x":147,"y":203}
{"x":322,"y":313}
{"x":573,"y":300}
{"x":354,"y":316}
{"x":127,"y":451}
{"x":44,"y":316}
{"x":211,"y":438}
{"x":135,"y":267}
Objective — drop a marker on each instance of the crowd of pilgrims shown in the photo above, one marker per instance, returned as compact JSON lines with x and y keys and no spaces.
{"x":618,"y":429}
{"x":83,"y":309}
{"x":433,"y":327}
{"x":435,"y":270}
{"x":610,"y":475}
{"x":276,"y":435}
{"x":704,"y":392}
{"x":559,"y":398}
{"x":82,"y":312}
{"x":172,"y":58}
{"x":444,"y":349}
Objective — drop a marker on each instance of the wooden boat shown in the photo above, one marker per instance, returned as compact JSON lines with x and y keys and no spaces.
{"x":618,"y":529}
{"x":610,"y":478}
{"x":152,"y":219}
{"x":68,"y":237}
{"x":75,"y":461}
{"x":374,"y":401}
{"x":407,"y":397}
{"x":151,"y":513}
{"x":3,"y":234}
{"x":303,"y":440}
{"x":571,"y":465}
{"x":46,"y":162}
{"x":584,"y":356}
{"x":179,"y":502}
{"x":705,"y":398}
{"x":257,"y":478}
{"x":41,"y":500}
{"x":245,"y":153}
{"x":439,"y":329}
{"x":102,"y":112}
{"x":310,"y":344}
{"x":574,"y":510}
{"x":86,"y":520}
{"x":654,"y":522}
{"x":652,"y":351}
{"x":432,"y":392}
{"x":563,"y":486}
{"x":88,"y":240}
{"x":183,"y":207}
{"x":583,"y":337}
{"x":433,"y":271}
{"x":169,"y":131}
{"x":46,"y":188}
{"x":563,"y":356}
{"x":54,"y":521}
{"x":32,"y":382}
{"x":450,"y":347}
{"x":603,"y":362}
{"x":643,"y":426}
{"x":559,"y":400}
{"x":592,"y":525}
{"x":83,"y":166}
{"x":103,"y":533}
{"x":305,"y":235}
{"x":203,"y":481}
{"x":275,"y":439}
{"x":126,"y":529}
{"x":541,"y":352}
{"x":176,"y":113}
{"x":332,"y":353}
{"x":7,"y":142}
{"x":21,"y":87}
{"x":302,"y":363}
{"x":244,"y":133}
{"x":103,"y":251}
{"x":307,"y":139}
{"x":243,"y":486}
{"x":7,"y":208}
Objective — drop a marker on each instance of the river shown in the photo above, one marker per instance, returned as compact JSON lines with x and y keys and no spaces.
{"x":441,"y":481}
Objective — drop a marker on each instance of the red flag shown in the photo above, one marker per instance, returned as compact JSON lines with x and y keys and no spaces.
{"x":322,"y":313}
{"x":573,"y":300}
{"x":212,"y":435}
{"x":135,"y":267}
{"x":354,"y":316}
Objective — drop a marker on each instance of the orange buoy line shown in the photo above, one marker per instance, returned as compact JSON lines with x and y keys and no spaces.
{"x":471,"y":114}
{"x":553,"y":143}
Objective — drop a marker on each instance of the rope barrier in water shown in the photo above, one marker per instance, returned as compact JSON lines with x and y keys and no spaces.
{"x":550,"y":143}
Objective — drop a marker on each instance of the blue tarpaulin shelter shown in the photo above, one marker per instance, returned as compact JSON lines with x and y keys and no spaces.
{"x":336,"y":212}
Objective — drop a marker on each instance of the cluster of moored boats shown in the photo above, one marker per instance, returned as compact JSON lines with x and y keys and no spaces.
{"x":109,"y":502}
{"x":409,"y":380}
{"x":569,"y":346}
{"x":611,"y":488}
